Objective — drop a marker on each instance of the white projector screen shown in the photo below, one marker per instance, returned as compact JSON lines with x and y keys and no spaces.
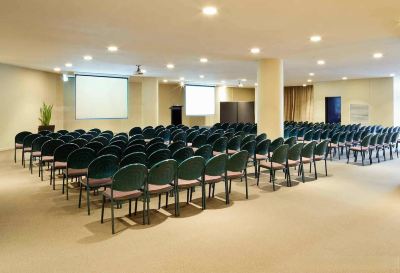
{"x":199,"y":100}
{"x":98,"y":97}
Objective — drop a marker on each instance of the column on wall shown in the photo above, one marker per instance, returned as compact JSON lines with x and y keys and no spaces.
{"x":269,"y":97}
{"x":150,"y":101}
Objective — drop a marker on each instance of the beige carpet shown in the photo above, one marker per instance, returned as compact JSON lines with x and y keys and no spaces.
{"x":346,"y":222}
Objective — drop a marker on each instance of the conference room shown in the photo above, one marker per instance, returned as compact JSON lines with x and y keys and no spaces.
{"x":199,"y":136}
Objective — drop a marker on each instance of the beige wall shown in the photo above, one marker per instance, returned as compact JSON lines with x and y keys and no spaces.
{"x":22,"y":93}
{"x":377,"y":93}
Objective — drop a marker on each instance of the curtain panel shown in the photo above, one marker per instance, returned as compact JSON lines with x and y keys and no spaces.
{"x":298,"y":103}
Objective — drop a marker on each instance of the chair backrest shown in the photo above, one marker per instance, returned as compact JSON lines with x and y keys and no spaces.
{"x":343,"y":136}
{"x":261,"y":137}
{"x":250,"y":147}
{"x":80,"y":131}
{"x":199,"y":141}
{"x":44,"y":132}
{"x":238,"y":161}
{"x":325,"y":134}
{"x":62,"y":152}
{"x":212,"y":138}
{"x":62,"y":132}
{"x":104,"y":166}
{"x":317,"y":135}
{"x":54,"y":135}
{"x":155,"y":140}
{"x":95,"y":146}
{"x":394,"y":138}
{"x":80,"y":158}
{"x":93,"y":133}
{"x":66,"y":138}
{"x":234,"y":143}
{"x":374,"y":140}
{"x":182,"y":154}
{"x":191,"y":168}
{"x":107,"y":135}
{"x":111,"y":150}
{"x":133,"y":158}
{"x":80,"y":142}
{"x":155,"y":147}
{"x":294,"y":152}
{"x":262,"y":147}
{"x":335,"y":138}
{"x":308,"y":136}
{"x":322,"y":148}
{"x":365,"y":141}
{"x":134,"y":149}
{"x":73,"y":134}
{"x":308,"y":150}
{"x":119,"y":138}
{"x":158,"y":156}
{"x":275,"y":144}
{"x":291,"y":141}
{"x":149,"y":133}
{"x":381,"y":139}
{"x":248,"y":138}
{"x":280,"y":154}
{"x":50,"y":146}
{"x":293,"y":132}
{"x":108,"y":132}
{"x":173,"y":147}
{"x":135,"y":131}
{"x":19,"y":138}
{"x":101,"y":139}
{"x":220,"y":145}
{"x":133,"y":141}
{"x":162,"y":173}
{"x":96,"y":130}
{"x":165,"y":135}
{"x":180,"y":137}
{"x":240,"y":133}
{"x":350,"y":136}
{"x":119,"y":143}
{"x":191,"y":136}
{"x":87,"y":137}
{"x":204,"y":151}
{"x":29,"y":139}
{"x":37,"y":143}
{"x":137,"y":136}
{"x":216,"y":166}
{"x":129,"y":178}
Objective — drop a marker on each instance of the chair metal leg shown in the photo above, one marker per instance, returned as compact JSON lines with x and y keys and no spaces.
{"x":112,"y":216}
{"x":88,"y":199}
{"x":102,"y":209}
{"x":326,"y":168}
{"x":130,"y":207}
{"x":136,"y":201}
{"x":166,"y":200}
{"x":245,"y":180}
{"x":226,"y":191}
{"x":315,"y":169}
{"x":80,"y":195}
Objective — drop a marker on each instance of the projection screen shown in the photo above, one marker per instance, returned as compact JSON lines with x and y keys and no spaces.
{"x":199,"y":100}
{"x":98,"y":97}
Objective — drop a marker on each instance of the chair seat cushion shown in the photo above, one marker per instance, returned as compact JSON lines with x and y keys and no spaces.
{"x":215,"y":153}
{"x":333,"y":145}
{"x":359,"y":148}
{"x":232,"y":175}
{"x":122,"y":195}
{"x":37,"y":154}
{"x":182,"y":183}
{"x":27,"y":149}
{"x":76,"y":172}
{"x":272,"y":165}
{"x":47,"y":158}
{"x":306,"y":159}
{"x":212,"y":179}
{"x":159,"y":188}
{"x":293,"y":163}
{"x":300,"y":138}
{"x":194,"y":149}
{"x":261,"y":157}
{"x":231,"y":152}
{"x":318,"y":157}
{"x":189,"y":144}
{"x":18,"y":145}
{"x":97,"y":182}
{"x":60,"y":165}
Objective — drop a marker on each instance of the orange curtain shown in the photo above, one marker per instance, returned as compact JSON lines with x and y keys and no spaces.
{"x":299,"y":103}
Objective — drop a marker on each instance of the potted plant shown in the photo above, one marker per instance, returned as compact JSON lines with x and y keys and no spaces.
{"x":45,"y":118}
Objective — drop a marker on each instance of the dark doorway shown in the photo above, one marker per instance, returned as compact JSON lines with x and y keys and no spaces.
{"x":234,"y":112}
{"x":333,"y":109}
{"x":176,"y":114}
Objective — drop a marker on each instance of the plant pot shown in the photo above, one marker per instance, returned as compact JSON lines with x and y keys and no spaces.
{"x":46,"y":127}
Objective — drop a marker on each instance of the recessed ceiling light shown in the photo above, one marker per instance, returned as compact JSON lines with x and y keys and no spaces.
{"x":57,"y":69}
{"x":181,"y":78}
{"x":210,"y":10}
{"x":304,"y":85}
{"x":378,"y":55}
{"x":182,"y":84}
{"x":244,"y":80}
{"x":112,"y":48}
{"x":165,"y":81}
{"x":320,"y":62}
{"x":311,"y":74}
{"x":344,"y":78}
{"x":255,"y":50}
{"x":201,"y":76}
{"x":240,"y":84}
{"x":203,"y":60}
{"x":65,"y":77}
{"x":144,"y":71}
{"x":223,"y":82}
{"x":392,"y":75}
{"x":309,"y":80}
{"x":170,"y":66}
{"x":255,"y":84}
{"x":315,"y":38}
{"x":87,"y":58}
{"x":68,"y":65}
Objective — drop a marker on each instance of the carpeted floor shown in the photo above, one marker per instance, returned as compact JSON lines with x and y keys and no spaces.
{"x":346,"y":222}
